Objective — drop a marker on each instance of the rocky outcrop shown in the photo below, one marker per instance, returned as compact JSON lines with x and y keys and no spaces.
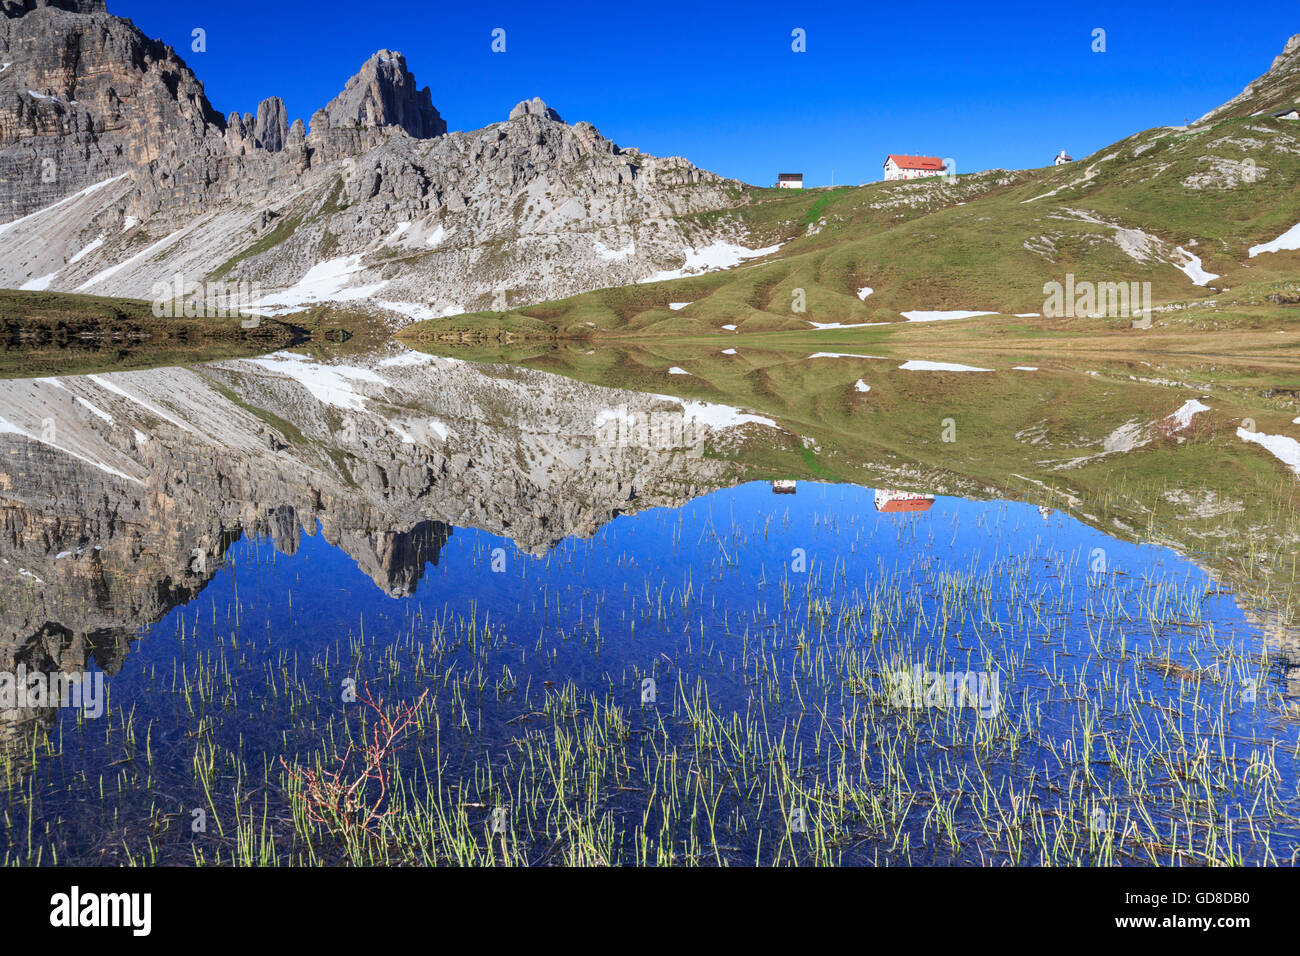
{"x":16,"y":8}
{"x":535,"y":107}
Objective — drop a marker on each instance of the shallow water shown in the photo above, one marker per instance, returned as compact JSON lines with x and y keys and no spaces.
{"x":1129,"y":703}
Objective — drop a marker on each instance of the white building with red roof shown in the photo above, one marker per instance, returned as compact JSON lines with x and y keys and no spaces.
{"x":913,"y":167}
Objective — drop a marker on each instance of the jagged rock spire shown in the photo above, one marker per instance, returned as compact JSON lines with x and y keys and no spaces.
{"x":272,"y":124}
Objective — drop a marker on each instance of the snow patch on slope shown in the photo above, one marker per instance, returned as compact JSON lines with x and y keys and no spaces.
{"x":709,"y":414}
{"x":324,"y":282}
{"x":822,"y":326}
{"x":90,"y":247}
{"x":39,"y":284}
{"x":1284,"y":449}
{"x":138,"y":257}
{"x":942,"y":316}
{"x":116,"y":389}
{"x":817,"y":355}
{"x":66,"y":200}
{"x":613,"y":255}
{"x":328,"y":384}
{"x":1191,"y":408}
{"x":920,"y":365}
{"x":719,"y":255}
{"x":1193,"y":270}
{"x":8,"y":426}
{"x":1287,"y":241}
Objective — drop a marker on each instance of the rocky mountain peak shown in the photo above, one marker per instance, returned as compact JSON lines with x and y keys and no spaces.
{"x":384,"y":93}
{"x":1277,"y":89}
{"x":534,"y":107}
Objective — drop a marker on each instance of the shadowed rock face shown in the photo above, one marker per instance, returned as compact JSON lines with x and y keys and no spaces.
{"x":16,"y":8}
{"x":54,"y":650}
{"x":86,"y":96}
{"x":120,"y":493}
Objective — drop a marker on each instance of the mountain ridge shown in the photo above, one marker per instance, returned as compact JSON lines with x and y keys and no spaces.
{"x":375,"y":195}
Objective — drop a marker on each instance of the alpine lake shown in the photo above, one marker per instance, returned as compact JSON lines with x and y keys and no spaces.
{"x":669,"y":604}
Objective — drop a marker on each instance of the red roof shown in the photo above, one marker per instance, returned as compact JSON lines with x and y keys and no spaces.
{"x":916,"y":162}
{"x":893,"y":501}
{"x":909,"y":504}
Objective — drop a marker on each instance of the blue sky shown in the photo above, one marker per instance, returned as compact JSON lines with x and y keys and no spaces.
{"x":986,"y":84}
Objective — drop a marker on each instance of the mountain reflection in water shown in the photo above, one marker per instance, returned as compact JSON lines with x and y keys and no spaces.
{"x":569,"y":533}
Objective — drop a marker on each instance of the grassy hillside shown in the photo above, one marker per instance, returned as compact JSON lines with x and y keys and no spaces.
{"x":1134,"y":212}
